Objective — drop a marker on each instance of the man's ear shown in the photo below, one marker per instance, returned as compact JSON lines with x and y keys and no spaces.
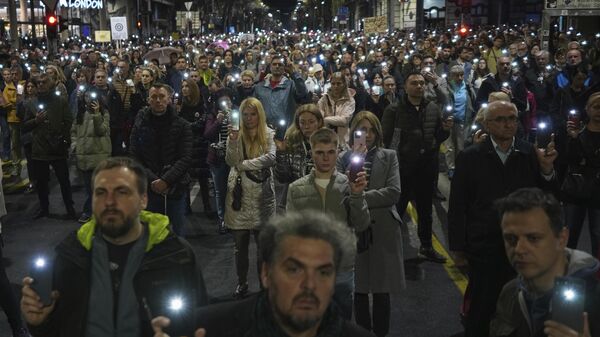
{"x":264,"y":275}
{"x":144,"y":201}
{"x":563,"y":237}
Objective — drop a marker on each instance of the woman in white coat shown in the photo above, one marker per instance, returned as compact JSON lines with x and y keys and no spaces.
{"x":250,"y":200}
{"x":337,"y":107}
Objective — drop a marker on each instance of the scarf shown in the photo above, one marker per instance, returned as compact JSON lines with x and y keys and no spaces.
{"x":266,"y":326}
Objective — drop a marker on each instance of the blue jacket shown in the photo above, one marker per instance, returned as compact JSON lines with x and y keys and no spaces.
{"x":280,"y":103}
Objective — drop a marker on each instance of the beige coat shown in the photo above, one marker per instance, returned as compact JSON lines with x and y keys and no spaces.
{"x":258,"y":199}
{"x":337,"y":114}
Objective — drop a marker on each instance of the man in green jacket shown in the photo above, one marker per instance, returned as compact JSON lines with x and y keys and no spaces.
{"x":329,"y":191}
{"x":118,"y":269}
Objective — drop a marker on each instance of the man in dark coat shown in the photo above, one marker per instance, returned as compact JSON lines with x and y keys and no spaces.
{"x":301,"y":254}
{"x":162,"y":142}
{"x":484,"y":173}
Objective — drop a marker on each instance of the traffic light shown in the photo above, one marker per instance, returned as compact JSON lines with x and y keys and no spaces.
{"x":463,"y":31}
{"x":51,"y":21}
{"x":138,"y":24}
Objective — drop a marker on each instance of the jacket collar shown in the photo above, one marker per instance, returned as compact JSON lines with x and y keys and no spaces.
{"x":519,"y":146}
{"x":157,"y":225}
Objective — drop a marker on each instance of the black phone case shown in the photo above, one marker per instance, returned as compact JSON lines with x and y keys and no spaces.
{"x":543,"y":138}
{"x":354,"y":169}
{"x":280,"y":132}
{"x":568,"y":312}
{"x":42,"y":283}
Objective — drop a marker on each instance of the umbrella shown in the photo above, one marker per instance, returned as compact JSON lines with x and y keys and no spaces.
{"x":161,"y":54}
{"x":220,"y":43}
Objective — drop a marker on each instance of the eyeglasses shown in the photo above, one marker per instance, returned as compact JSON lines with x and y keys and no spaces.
{"x":505,"y":119}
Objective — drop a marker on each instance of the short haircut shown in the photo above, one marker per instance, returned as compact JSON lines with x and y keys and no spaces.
{"x":457,"y":69}
{"x":248,"y":73}
{"x":323,"y":136}
{"x":463,"y":48}
{"x":388,"y":77}
{"x":126,"y":162}
{"x":527,"y":199}
{"x":412,"y":73}
{"x":308,"y":225}
{"x":157,"y":85}
{"x":499,"y":105}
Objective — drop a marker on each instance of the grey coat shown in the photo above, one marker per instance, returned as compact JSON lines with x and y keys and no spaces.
{"x":380,"y":269}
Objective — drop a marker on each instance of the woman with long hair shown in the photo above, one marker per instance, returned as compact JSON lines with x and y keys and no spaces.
{"x":191,"y":108}
{"x":250,"y":200}
{"x":379,"y":269}
{"x":27,"y":108}
{"x":337,"y":106}
{"x":480,"y":73}
{"x":57,"y":75}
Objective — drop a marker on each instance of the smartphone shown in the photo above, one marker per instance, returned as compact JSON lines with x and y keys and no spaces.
{"x":448,"y":112}
{"x":360,"y":138}
{"x":366,"y":84}
{"x":41,"y":107}
{"x":280,"y":129}
{"x":235,"y":120}
{"x":41,"y":273}
{"x":176,"y":309}
{"x":20,"y":89}
{"x":130,"y":82}
{"x":376,"y":90}
{"x":543,"y":135}
{"x":568,"y":300}
{"x":574,"y":117}
{"x":356,"y":165}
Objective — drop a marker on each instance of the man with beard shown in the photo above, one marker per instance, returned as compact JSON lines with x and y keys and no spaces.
{"x":301,"y":254}
{"x":121,"y":261}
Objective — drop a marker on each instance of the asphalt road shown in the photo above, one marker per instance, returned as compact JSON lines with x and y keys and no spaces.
{"x":428,"y":307}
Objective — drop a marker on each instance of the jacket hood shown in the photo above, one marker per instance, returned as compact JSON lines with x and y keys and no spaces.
{"x":157,"y":225}
{"x":581,"y":264}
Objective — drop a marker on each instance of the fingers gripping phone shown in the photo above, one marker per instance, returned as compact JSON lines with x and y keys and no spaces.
{"x":543,"y":135}
{"x":356,"y":166}
{"x":568,"y":301}
{"x":41,"y":272}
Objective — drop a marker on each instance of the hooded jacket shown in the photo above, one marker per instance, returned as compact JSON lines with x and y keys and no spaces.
{"x":168,"y":265}
{"x":520,"y":312}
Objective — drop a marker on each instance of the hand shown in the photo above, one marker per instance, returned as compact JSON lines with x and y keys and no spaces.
{"x":360,"y":149}
{"x":572,"y":130}
{"x":289,"y":68}
{"x":547,"y":156}
{"x":41,"y":116}
{"x":161,"y":322}
{"x":448,"y":123}
{"x":430,"y":76}
{"x":159,"y":186}
{"x":479,"y":137}
{"x":233,"y":134}
{"x":33,"y":310}
{"x":281,"y":145}
{"x":555,"y":329}
{"x":460,"y":259}
{"x":95,"y":106}
{"x":507,"y":91}
{"x":359,"y":185}
{"x":220,"y":117}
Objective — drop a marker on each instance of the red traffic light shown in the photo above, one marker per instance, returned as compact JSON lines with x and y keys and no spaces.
{"x":139,"y":24}
{"x":51,"y":20}
{"x":463,"y":30}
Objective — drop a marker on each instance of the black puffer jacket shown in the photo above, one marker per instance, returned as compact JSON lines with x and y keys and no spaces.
{"x":196,"y":115}
{"x":163,"y":144}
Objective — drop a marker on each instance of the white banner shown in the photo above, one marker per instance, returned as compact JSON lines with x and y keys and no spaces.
{"x":118,"y":28}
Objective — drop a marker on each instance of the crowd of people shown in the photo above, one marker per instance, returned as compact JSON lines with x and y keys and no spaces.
{"x":273,"y":125}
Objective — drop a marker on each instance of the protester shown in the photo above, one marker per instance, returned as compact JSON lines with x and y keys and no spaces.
{"x":484,"y":173}
{"x":525,"y":304}
{"x":162,"y":142}
{"x":337,"y":106}
{"x":128,"y":259}
{"x":326,"y":189}
{"x":380,"y":267}
{"x":250,"y":198}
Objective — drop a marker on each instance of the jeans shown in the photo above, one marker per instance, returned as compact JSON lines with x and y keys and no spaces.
{"x":5,"y":151}
{"x":454,"y":144}
{"x":574,"y":218}
{"x":175,"y":209}
{"x":220,"y":173}
{"x":61,"y":169}
{"x":242,"y":261}
{"x":87,"y":183}
{"x":344,"y":288}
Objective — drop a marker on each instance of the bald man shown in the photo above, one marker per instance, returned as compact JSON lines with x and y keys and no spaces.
{"x":486,"y":172}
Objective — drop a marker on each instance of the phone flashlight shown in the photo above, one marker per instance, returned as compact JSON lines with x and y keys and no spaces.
{"x":514,"y":64}
{"x":484,"y":105}
{"x":93,"y":95}
{"x":505,"y":84}
{"x":548,"y":67}
{"x":41,"y":106}
{"x":473,"y":127}
{"x":282,"y":122}
{"x":428,"y":69}
{"x":176,"y":304}
{"x":504,"y":51}
{"x":40,"y":262}
{"x":176,"y":95}
{"x":57,"y":93}
{"x":186,"y":75}
{"x":569,"y":294}
{"x":444,"y":75}
{"x":475,"y":60}
{"x":82,"y":87}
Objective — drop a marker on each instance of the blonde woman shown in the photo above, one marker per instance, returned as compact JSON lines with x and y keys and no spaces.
{"x":337,"y":107}
{"x":59,"y":79}
{"x":250,"y":200}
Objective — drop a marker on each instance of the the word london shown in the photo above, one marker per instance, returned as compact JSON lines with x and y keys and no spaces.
{"x":82,"y":4}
